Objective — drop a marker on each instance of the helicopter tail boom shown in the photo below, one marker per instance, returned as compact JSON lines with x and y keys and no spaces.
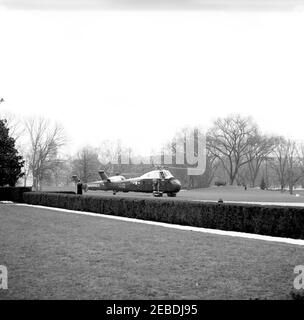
{"x":103,"y":175}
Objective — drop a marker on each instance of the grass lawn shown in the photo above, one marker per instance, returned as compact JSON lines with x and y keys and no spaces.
{"x":227,"y":193}
{"x":56,"y":255}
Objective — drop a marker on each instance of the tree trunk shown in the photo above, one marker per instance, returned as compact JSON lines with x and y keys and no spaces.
{"x":291,"y":189}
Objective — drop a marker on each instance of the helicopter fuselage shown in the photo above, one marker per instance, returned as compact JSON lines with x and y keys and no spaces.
{"x":156,"y":185}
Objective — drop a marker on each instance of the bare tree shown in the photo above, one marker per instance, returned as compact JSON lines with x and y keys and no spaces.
{"x":260,"y":147}
{"x":279,"y":161}
{"x":300,"y":150}
{"x":26,"y":168}
{"x":179,"y":166}
{"x":294,"y":172}
{"x":230,"y":140}
{"x":45,"y":141}
{"x":109,"y":153}
{"x":14,"y":124}
{"x":86,"y":164}
{"x":62,"y":172}
{"x":287,"y":163}
{"x":212,"y":164}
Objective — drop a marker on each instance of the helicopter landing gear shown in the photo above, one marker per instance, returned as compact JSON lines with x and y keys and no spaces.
{"x":157,"y":194}
{"x":171,"y":194}
{"x":156,"y":191}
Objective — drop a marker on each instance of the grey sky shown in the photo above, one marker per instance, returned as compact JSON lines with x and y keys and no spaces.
{"x":140,"y":75}
{"x":155,"y":4}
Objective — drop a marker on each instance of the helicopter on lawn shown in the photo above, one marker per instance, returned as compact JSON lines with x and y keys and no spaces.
{"x":158,"y":182}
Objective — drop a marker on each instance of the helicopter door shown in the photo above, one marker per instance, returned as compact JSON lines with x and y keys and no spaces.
{"x":156,"y":185}
{"x":145,"y":185}
{"x":159,"y":185}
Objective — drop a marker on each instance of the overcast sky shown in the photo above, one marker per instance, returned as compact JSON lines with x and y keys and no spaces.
{"x":138,"y":75}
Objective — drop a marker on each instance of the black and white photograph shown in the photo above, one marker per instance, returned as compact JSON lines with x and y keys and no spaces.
{"x":151,"y":153}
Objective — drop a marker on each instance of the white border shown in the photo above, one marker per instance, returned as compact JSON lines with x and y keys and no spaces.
{"x":284,"y":204}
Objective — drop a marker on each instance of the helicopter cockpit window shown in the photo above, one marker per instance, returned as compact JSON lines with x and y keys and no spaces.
{"x":151,"y":175}
{"x":167,"y":174}
{"x":156,"y":174}
{"x":117,"y":178}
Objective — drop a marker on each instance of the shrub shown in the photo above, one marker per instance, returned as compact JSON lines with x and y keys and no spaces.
{"x":14,"y":194}
{"x":297,"y":295}
{"x":267,"y":220}
{"x":219,"y":183}
{"x":64,"y":192}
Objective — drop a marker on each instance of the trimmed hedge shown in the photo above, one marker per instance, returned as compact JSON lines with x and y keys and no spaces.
{"x":14,"y":194}
{"x":64,"y":192}
{"x":266,"y":220}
